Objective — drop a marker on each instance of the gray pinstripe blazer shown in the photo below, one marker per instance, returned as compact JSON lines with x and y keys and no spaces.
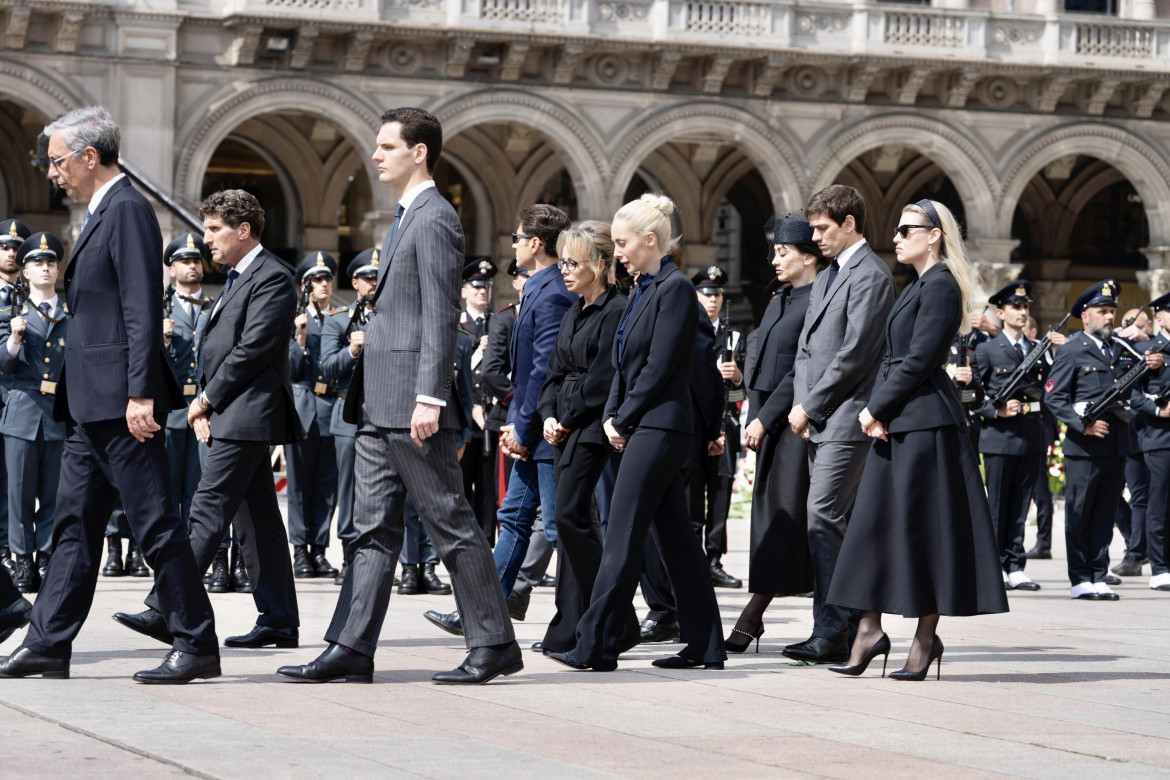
{"x":410,"y":344}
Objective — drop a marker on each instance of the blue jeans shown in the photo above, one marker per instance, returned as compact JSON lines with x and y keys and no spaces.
{"x":532,"y":484}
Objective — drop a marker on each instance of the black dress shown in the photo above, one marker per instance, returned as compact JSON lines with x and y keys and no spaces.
{"x":921,"y":540}
{"x":780,"y":562}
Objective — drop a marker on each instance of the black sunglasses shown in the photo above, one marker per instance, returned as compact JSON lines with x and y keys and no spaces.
{"x":517,"y":236}
{"x":904,"y":230}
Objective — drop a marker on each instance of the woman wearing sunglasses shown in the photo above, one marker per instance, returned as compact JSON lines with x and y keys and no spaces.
{"x":921,"y":542}
{"x":580,"y":372}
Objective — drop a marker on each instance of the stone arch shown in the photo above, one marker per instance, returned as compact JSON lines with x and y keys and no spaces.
{"x":585,"y":159}
{"x":957,"y":155}
{"x":1139,"y":161}
{"x":769,"y":150}
{"x":218,"y":115}
{"x":673,"y":175}
{"x":43,"y":92}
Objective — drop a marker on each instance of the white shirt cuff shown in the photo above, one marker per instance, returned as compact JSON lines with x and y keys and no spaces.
{"x":426,"y":399}
{"x":13,"y":349}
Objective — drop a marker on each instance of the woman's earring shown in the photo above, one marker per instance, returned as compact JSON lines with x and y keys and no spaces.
{"x":929,"y":248}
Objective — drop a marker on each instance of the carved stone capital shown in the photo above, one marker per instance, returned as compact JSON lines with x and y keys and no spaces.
{"x":767,"y":72}
{"x":664,"y":68}
{"x":302,"y":53}
{"x":16,"y":33}
{"x":68,"y":32}
{"x":716,"y":73}
{"x":959,"y":86}
{"x":1095,"y":97}
{"x":905,"y":85}
{"x":514,"y":61}
{"x":357,"y":51}
{"x":459,"y":56}
{"x":566,"y":66}
{"x":1143,"y":98}
{"x":1047,"y":92}
{"x":860,"y":81}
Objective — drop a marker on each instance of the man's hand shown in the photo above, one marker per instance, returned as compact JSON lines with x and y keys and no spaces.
{"x":616,"y":440}
{"x":424,"y":423}
{"x":483,"y":342}
{"x":202,"y":428}
{"x":554,"y":432}
{"x":509,"y":446}
{"x":1010,"y":409}
{"x":1057,"y":338}
{"x":478,"y":417}
{"x":197,"y":410}
{"x":357,"y":340}
{"x":979,"y":321}
{"x":718,"y":446}
{"x":301,"y":323}
{"x":730,"y":371}
{"x":168,"y":329}
{"x":1100,"y":429}
{"x":19,"y":324}
{"x":964,"y":375}
{"x":798,"y":422}
{"x":754,"y":434}
{"x":1154,"y":360}
{"x":1133,"y":333}
{"x":140,"y":418}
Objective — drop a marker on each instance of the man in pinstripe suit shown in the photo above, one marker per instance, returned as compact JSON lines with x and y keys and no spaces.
{"x":405,"y":438}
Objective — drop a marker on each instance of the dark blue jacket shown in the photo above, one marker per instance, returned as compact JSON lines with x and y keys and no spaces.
{"x":1154,"y":431}
{"x":183,"y":353}
{"x":337,"y":362}
{"x":34,"y":371}
{"x":308,"y":376}
{"x":1025,"y":434}
{"x":1081,"y":374}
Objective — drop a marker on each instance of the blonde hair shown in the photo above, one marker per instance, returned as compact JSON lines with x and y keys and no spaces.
{"x":589,"y":240}
{"x":651,"y":214}
{"x":953,"y":254}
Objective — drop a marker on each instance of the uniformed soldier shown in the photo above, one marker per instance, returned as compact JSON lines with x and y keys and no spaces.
{"x":1012,"y":439}
{"x":12,"y":234}
{"x":33,"y":354}
{"x":341,"y":343}
{"x":1094,"y":454}
{"x":1151,"y":398}
{"x":475,"y":320}
{"x":709,"y":488}
{"x":312,"y":463}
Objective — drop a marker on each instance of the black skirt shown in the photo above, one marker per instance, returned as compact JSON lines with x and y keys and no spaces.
{"x":921,"y":539}
{"x":780,"y":562}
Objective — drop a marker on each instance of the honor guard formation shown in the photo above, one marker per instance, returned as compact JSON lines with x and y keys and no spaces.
{"x":899,"y":434}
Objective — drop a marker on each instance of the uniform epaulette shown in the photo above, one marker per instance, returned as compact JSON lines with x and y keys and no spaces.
{"x":461,"y":330}
{"x":339,"y":310}
{"x":498,"y":311}
{"x":204,"y":313}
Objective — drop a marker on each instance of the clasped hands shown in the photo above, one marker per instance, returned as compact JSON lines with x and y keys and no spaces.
{"x":510,"y":447}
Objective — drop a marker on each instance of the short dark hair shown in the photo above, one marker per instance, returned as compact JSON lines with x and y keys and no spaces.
{"x":546,"y":223}
{"x":839,"y":201}
{"x":419,"y":126}
{"x":235,"y":207}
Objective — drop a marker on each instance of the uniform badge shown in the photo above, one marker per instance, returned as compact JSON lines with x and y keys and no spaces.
{"x":1107,"y":289}
{"x":320,"y":260}
{"x":12,"y":230}
{"x":374,"y":259}
{"x":190,"y":241}
{"x":1021,"y":292}
{"x":1049,"y":385}
{"x":61,"y":342}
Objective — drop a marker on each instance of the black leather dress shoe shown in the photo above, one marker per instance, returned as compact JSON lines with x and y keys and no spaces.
{"x":484,"y":664}
{"x":409,"y":584}
{"x":429,"y":582}
{"x":241,"y":582}
{"x":537,"y":647}
{"x":26,"y":663}
{"x":449,"y":621}
{"x":547,"y":581}
{"x":180,"y":668}
{"x":571,"y":661}
{"x":333,"y":665}
{"x":518,"y":605}
{"x":1039,"y":553}
{"x":265,"y":636}
{"x":659,"y":630}
{"x":321,"y":565}
{"x":149,"y":622}
{"x":819,"y":650}
{"x":680,"y":661}
{"x":1130,"y":566}
{"x":14,"y":616}
{"x":1112,"y":579}
{"x":721,"y":579}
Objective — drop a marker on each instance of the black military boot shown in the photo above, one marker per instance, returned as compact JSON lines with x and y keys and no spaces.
{"x":26,"y":580}
{"x":340,"y":578}
{"x":114,"y":566}
{"x":302,"y":564}
{"x":429,"y":582}
{"x":135,"y":564}
{"x":42,"y":565}
{"x":241,"y":583}
{"x":409,"y":584}
{"x":7,"y":562}
{"x":321,"y":564}
{"x":221,"y":581}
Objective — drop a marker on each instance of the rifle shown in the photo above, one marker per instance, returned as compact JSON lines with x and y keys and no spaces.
{"x":19,"y":294}
{"x":169,"y":301}
{"x":1024,"y":370}
{"x":359,"y":316}
{"x":1114,"y":400}
{"x":302,"y":303}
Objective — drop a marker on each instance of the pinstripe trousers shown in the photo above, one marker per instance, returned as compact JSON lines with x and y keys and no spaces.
{"x":388,"y":465}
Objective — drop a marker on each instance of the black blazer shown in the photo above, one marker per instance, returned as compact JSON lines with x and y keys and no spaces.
{"x":1025,"y":434}
{"x":652,"y":386}
{"x":1080,"y":374}
{"x":497,"y":368}
{"x":770,"y":378}
{"x":913,"y":391}
{"x":245,"y":357}
{"x":112,"y":287}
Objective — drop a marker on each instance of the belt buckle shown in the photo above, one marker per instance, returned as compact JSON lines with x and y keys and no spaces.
{"x":320,"y":388}
{"x":1025,"y":408}
{"x":48,"y":388}
{"x":190,"y":390}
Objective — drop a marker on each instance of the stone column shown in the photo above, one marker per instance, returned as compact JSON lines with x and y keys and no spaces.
{"x":1156,"y":281}
{"x":992,"y":260}
{"x":1051,"y":294}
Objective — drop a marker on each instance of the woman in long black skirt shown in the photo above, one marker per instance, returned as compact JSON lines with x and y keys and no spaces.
{"x":649,"y":417}
{"x":779,"y":562}
{"x":580,"y":372}
{"x":921,"y":541}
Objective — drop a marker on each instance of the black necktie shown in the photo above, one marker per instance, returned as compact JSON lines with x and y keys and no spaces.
{"x":46,"y":309}
{"x":231,"y":279}
{"x":833,"y":269}
{"x":1107,"y":352}
{"x":1020,"y":351}
{"x":398,"y":212}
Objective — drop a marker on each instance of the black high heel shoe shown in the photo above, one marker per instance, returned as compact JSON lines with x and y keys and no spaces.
{"x":880,"y":647}
{"x":936,"y":651}
{"x":733,"y":647}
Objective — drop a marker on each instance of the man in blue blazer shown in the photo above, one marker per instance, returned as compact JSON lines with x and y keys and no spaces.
{"x":115,"y":392}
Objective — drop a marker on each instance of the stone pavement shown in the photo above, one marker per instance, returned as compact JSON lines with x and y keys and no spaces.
{"x":1054,"y":689}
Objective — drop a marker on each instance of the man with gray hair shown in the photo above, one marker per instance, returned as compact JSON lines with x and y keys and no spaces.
{"x":114,"y":393}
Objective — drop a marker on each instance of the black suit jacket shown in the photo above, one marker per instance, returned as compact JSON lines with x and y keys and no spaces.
{"x":913,"y":391}
{"x":652,"y":386}
{"x":1025,"y":434}
{"x":113,"y":289}
{"x":769,"y":381}
{"x":497,"y":368}
{"x":245,"y":356}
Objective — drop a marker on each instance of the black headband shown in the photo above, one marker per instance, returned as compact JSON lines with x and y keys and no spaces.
{"x":931,"y":212}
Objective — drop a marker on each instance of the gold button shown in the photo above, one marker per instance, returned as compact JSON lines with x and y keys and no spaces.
{"x":320,"y":377}
{"x":46,"y":376}
{"x":192,"y":365}
{"x":48,"y":343}
{"x":190,"y":381}
{"x":46,"y":360}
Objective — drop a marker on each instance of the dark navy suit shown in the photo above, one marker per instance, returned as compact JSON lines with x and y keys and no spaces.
{"x":1155,"y":441}
{"x":115,"y":353}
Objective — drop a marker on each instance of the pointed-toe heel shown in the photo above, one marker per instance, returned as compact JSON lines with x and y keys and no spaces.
{"x":936,"y":654}
{"x":736,"y":647}
{"x":880,"y":647}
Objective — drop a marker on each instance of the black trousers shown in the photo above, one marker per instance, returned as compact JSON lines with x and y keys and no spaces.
{"x":1092,"y":489}
{"x":101,"y":459}
{"x":1042,"y":497}
{"x":479,"y":474}
{"x":649,"y":490}
{"x":312,"y":488}
{"x":1131,"y":515}
{"x":579,"y":542}
{"x":1011,"y":480}
{"x":1158,"y":464}
{"x":655,"y":583}
{"x":709,"y":495}
{"x":237,"y":483}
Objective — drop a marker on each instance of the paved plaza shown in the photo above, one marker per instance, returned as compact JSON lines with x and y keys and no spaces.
{"x":1054,"y":689}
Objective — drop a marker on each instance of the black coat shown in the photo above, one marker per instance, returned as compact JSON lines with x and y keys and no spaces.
{"x":652,"y":385}
{"x":1154,"y":431}
{"x":497,"y":368}
{"x":1079,"y":375}
{"x":115,"y":350}
{"x":245,"y":357}
{"x":1024,"y":434}
{"x":913,"y":391}
{"x":770,"y":380}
